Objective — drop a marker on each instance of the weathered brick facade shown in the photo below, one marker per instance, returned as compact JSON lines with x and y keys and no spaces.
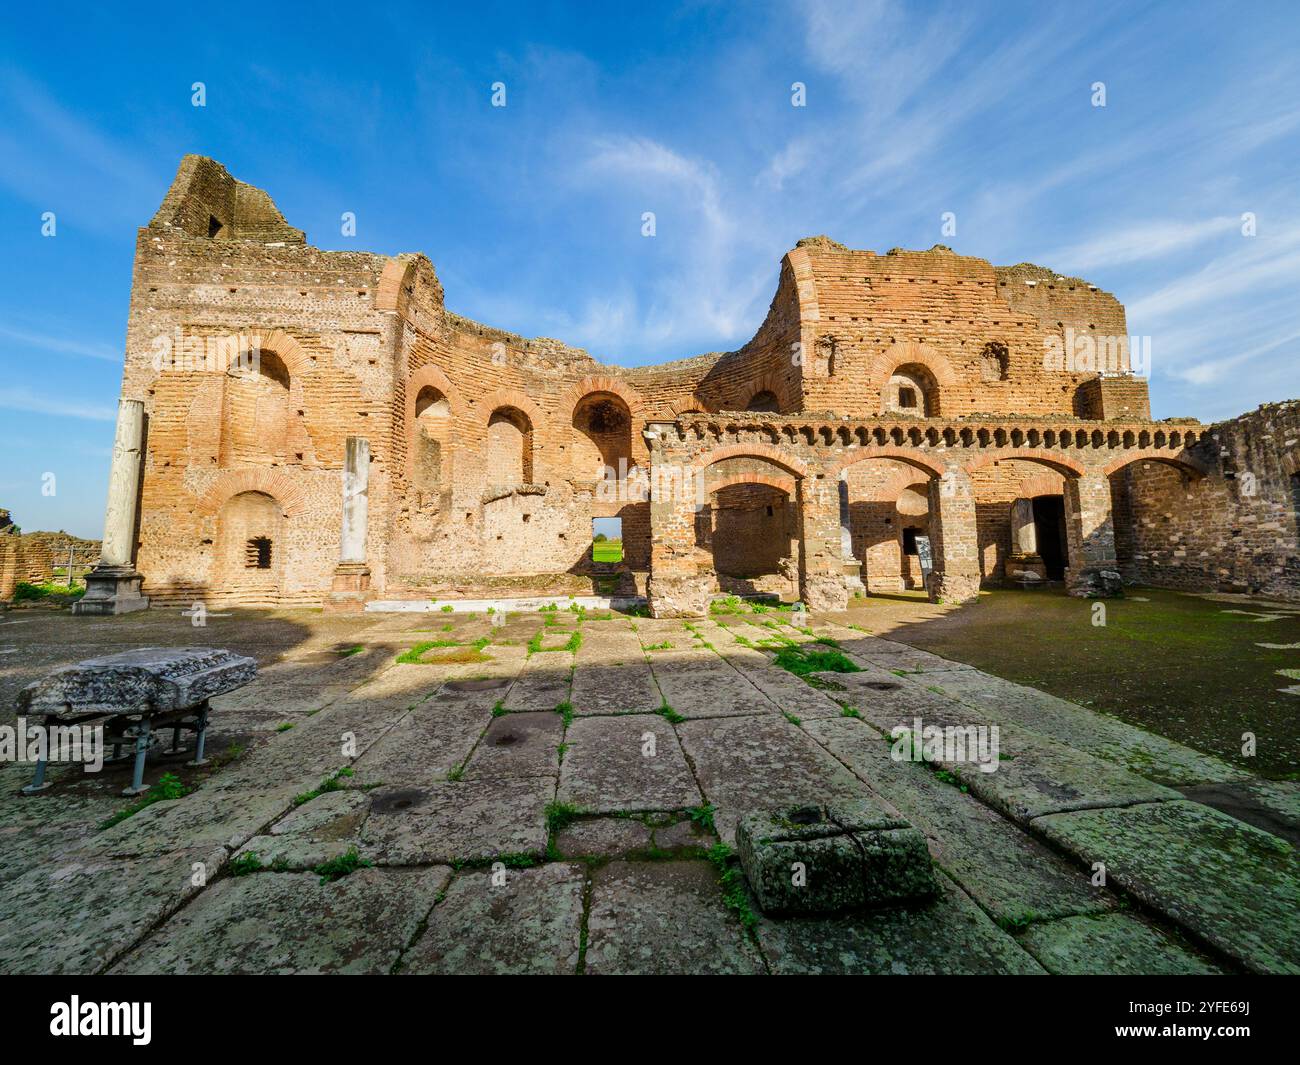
{"x":957,"y":389}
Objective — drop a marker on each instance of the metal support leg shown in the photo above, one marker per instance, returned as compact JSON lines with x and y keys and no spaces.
{"x":201,"y":736}
{"x":141,"y":748}
{"x":176,"y":740}
{"x":39,"y":783}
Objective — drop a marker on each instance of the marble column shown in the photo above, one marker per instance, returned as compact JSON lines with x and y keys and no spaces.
{"x":113,"y":586}
{"x":351,"y":584}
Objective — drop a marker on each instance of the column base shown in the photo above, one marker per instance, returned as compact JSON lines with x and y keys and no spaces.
{"x":350,"y":589}
{"x":1094,"y":583}
{"x":111,"y":590}
{"x":678,"y":597}
{"x":953,"y":588}
{"x":825,"y":591}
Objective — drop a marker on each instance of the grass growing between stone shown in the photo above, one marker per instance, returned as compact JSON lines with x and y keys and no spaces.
{"x":169,"y":787}
{"x":342,"y":865}
{"x":805,"y":659}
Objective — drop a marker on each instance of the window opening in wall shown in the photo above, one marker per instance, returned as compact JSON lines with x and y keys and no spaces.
{"x":607,"y":539}
{"x":907,"y":398}
{"x":909,"y":540}
{"x":257,"y":553}
{"x":214,"y":227}
{"x":769,"y":510}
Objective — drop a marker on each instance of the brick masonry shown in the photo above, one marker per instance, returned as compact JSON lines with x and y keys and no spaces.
{"x":941,"y":387}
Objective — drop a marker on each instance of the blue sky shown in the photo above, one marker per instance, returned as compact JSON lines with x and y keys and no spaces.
{"x":532,"y":212}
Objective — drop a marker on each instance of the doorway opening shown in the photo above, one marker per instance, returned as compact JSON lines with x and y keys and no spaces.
{"x":607,"y":539}
{"x":1049,"y":531}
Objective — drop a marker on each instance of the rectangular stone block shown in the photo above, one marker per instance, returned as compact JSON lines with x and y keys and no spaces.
{"x":817,"y":858}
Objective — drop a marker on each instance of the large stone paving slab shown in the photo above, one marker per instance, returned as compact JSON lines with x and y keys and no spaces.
{"x":542,"y":684}
{"x":612,"y":676}
{"x":518,"y":745}
{"x":531,"y":923}
{"x":468,"y":820}
{"x":1227,"y":883}
{"x":947,"y":936}
{"x":291,"y":923}
{"x":1142,"y":752}
{"x":701,"y":684}
{"x":1007,"y":871}
{"x":757,"y":763}
{"x":428,"y":743}
{"x":1114,"y":944}
{"x":664,"y":918}
{"x":608,"y":766}
{"x":77,"y":914}
{"x":1037,"y":776}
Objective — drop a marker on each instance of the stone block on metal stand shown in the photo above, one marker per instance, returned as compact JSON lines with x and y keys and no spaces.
{"x":134,"y":693}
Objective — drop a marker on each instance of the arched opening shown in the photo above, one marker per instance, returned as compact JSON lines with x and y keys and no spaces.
{"x":752,"y":532}
{"x":765,"y":401}
{"x":250,"y":550}
{"x":912,"y":389}
{"x":509,"y":455}
{"x":432,"y":450}
{"x":603,"y":446}
{"x":255,"y":412}
{"x":888,"y":517}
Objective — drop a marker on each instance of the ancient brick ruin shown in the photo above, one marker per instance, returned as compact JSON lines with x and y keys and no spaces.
{"x":886,"y":402}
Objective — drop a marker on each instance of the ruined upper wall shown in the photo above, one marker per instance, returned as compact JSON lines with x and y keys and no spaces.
{"x":206,"y":201}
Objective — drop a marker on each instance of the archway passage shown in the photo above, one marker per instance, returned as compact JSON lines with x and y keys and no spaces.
{"x":1049,"y":533}
{"x":751,"y":531}
{"x":765,"y":401}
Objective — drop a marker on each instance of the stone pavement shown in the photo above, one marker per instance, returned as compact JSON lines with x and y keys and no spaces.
{"x":499,"y":806}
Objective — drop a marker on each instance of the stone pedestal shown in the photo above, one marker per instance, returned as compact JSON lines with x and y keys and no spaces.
{"x":113,"y":586}
{"x":111,"y":590}
{"x":350,"y":589}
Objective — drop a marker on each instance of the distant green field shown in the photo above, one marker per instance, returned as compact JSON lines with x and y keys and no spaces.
{"x":607,"y":551}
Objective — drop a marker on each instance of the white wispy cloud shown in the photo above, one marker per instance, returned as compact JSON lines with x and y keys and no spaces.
{"x":61,"y":345}
{"x":29,"y":402}
{"x":1150,"y":240}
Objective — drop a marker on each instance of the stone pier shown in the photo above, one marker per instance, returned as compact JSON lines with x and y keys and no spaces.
{"x":113,"y":586}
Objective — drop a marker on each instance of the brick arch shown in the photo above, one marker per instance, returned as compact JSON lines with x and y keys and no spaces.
{"x":782,"y":484}
{"x":290,"y":351}
{"x":1184,"y":463}
{"x":275,"y":483}
{"x":911,"y":456}
{"x":1040,"y":484}
{"x":392,"y":282}
{"x":910,"y":351}
{"x":1052,"y":459}
{"x":509,"y":397}
{"x":679,"y":407}
{"x":630,"y":396}
{"x":751,"y":451}
{"x":432,"y":375}
{"x":768,"y":382}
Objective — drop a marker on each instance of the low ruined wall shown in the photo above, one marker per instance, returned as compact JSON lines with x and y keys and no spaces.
{"x":1233,"y":530}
